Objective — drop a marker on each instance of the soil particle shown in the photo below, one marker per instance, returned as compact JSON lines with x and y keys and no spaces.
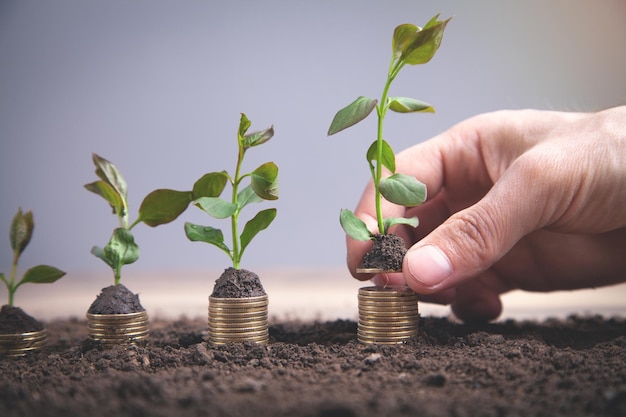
{"x":387,"y":253}
{"x":572,"y":367}
{"x":116,"y":299}
{"x":15,"y":320}
{"x":238,"y":283}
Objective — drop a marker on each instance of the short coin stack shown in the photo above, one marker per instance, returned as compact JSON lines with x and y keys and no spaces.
{"x":387,"y":315}
{"x":118,"y":329}
{"x":238,"y":320}
{"x":19,"y":344}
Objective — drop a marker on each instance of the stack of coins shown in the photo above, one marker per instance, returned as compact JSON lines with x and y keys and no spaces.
{"x":118,"y":329}
{"x":387,"y":315}
{"x":19,"y":344}
{"x":238,"y":320}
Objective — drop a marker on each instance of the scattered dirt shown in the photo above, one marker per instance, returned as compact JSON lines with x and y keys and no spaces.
{"x":573,"y":367}
{"x":116,"y":299}
{"x":238,"y":283}
{"x":387,"y":253}
{"x":15,"y":320}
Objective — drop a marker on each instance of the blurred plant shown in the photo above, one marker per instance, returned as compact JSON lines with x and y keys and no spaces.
{"x":20,"y":234}
{"x":411,"y":45}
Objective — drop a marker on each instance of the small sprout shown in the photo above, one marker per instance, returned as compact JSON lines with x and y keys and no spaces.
{"x":263,"y":185}
{"x":20,"y":234}
{"x":411,"y":45}
{"x":159,"y":207}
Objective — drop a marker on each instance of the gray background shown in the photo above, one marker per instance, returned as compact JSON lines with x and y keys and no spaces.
{"x":157,"y":87}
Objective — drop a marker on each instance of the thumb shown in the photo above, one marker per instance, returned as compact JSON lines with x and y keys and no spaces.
{"x":470,"y":241}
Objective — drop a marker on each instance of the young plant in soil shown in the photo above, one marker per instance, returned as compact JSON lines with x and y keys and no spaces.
{"x":159,"y":207}
{"x":14,"y":319}
{"x":236,"y":282}
{"x":411,"y":45}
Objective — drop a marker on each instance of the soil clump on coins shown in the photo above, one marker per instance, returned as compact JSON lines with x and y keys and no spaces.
{"x":238,"y":283}
{"x":386,"y":254}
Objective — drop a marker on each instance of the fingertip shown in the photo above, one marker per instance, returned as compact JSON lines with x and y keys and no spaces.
{"x":426,"y":268}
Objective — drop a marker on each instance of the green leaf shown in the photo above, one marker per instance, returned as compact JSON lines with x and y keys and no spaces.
{"x":409,"y":105}
{"x":401,"y":35}
{"x":163,"y":206}
{"x":216,"y":207}
{"x":4,"y":279}
{"x":210,"y":185}
{"x":244,"y":125}
{"x":423,"y":44}
{"x":121,"y":249}
{"x":108,"y":173}
{"x":353,"y":113}
{"x":258,"y":138}
{"x":259,"y":222}
{"x":21,"y":230}
{"x":98,"y":252}
{"x":353,"y":226}
{"x":391,"y":221}
{"x":264,"y":181}
{"x":403,"y":190}
{"x":41,"y":274}
{"x":207,"y":234}
{"x":247,"y":196}
{"x":388,"y":158}
{"x":107,"y":192}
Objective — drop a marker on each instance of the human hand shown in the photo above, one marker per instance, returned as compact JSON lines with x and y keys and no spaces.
{"x":531,"y":200}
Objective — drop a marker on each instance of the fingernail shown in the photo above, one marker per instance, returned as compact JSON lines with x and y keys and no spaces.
{"x":428,"y":266}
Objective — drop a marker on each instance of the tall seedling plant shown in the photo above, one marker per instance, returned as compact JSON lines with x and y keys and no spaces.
{"x":411,"y":45}
{"x":263,"y":185}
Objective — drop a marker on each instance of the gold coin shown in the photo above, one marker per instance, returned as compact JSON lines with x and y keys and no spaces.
{"x":375,"y":271}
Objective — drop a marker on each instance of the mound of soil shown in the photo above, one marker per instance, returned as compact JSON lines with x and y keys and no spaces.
{"x":116,"y":299}
{"x":238,"y":283}
{"x":14,"y":320}
{"x":573,"y":367}
{"x":387,"y":253}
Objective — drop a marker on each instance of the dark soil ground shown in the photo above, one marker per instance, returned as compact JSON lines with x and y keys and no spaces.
{"x":573,"y":367}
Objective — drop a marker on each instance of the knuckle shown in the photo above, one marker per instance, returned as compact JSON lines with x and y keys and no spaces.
{"x":476,"y":234}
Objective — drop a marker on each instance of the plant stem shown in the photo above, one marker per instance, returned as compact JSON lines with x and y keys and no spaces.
{"x":11,"y":286}
{"x":118,"y":274}
{"x":394,"y":68}
{"x":236,"y":257}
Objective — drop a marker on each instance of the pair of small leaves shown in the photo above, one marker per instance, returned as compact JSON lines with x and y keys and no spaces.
{"x":413,"y":45}
{"x":111,"y":186}
{"x":121,"y":249}
{"x":248,"y":140}
{"x":357,"y":229}
{"x":21,"y":232}
{"x":360,"y":108}
{"x":215,"y":236}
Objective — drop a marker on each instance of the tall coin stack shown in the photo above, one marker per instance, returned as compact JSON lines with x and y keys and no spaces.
{"x":387,"y":315}
{"x":238,"y":320}
{"x":118,"y":329}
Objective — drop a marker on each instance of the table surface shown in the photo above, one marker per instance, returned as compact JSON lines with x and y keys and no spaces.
{"x":295,"y":294}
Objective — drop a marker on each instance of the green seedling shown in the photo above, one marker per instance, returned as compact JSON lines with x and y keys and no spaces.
{"x":159,"y":207}
{"x":411,"y":45}
{"x":263,"y":185}
{"x":20,"y":234}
